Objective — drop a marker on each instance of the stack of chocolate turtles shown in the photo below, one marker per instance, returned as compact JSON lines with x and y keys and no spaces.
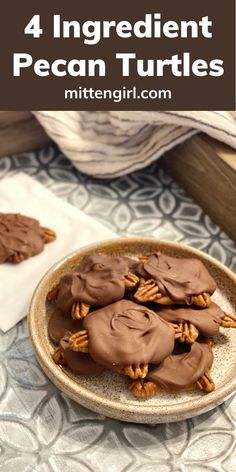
{"x":151,"y":319}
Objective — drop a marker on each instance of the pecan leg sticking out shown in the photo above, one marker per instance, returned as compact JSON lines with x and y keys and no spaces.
{"x":53,"y":294}
{"x":79,"y":310}
{"x":186,"y":332}
{"x":206,"y":383}
{"x":142,"y":389}
{"x":143,"y":259}
{"x":78,"y":342}
{"x":134,"y":372}
{"x":203,"y":300}
{"x":229,"y":321}
{"x":16,"y":258}
{"x":48,"y":235}
{"x":58,"y":356}
{"x":148,"y":291}
{"x":131,"y":280}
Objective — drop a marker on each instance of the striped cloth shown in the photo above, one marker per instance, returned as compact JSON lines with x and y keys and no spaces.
{"x":113,"y":143}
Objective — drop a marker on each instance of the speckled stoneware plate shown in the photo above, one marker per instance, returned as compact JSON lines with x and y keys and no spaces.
{"x":107,"y":394}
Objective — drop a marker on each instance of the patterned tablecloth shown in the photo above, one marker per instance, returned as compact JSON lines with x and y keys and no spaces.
{"x":43,"y":431}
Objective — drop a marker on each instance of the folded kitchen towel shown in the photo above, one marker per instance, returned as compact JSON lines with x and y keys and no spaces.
{"x":22,"y":194}
{"x":113,"y":143}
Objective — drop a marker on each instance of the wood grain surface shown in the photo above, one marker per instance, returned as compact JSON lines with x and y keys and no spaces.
{"x":19,"y":132}
{"x":206,"y":169}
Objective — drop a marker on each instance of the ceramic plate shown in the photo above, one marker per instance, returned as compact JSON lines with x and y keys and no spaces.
{"x":107,"y":394}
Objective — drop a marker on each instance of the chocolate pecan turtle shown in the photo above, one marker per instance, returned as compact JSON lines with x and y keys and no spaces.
{"x":167,"y":280}
{"x":179,"y":371}
{"x":189,"y":322}
{"x":97,"y":281}
{"x":21,"y":237}
{"x":126,"y":337}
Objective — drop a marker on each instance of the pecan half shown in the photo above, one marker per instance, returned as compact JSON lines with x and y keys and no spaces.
{"x":210,"y":342}
{"x":229,"y":321}
{"x":53,"y":294}
{"x":131,"y":280}
{"x":16,"y":258}
{"x":79,"y":310}
{"x":186,"y":332}
{"x":143,"y":258}
{"x":206,"y":383}
{"x":58,"y":356}
{"x":148,"y":291}
{"x":203,"y":300}
{"x":134,"y":372}
{"x":48,"y":235}
{"x":78,"y":342}
{"x":142,"y":389}
{"x":167,"y":301}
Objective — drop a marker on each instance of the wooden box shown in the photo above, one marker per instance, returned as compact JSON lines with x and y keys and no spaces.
{"x":19,"y":132}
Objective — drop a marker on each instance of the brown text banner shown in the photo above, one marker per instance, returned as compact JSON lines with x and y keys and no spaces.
{"x":99,"y":55}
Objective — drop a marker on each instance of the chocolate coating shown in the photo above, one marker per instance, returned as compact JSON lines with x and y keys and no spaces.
{"x":207,"y":321}
{"x":98,"y":281}
{"x":182,"y":369}
{"x":125,"y":333}
{"x":19,"y":235}
{"x":59,"y":324}
{"x":179,"y":279}
{"x":78,"y":362}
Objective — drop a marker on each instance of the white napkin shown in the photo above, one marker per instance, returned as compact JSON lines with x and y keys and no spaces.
{"x":22,"y":194}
